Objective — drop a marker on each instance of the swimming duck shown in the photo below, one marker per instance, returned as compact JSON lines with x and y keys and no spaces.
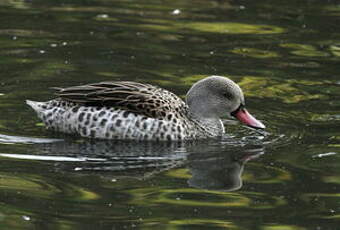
{"x":131,"y":110}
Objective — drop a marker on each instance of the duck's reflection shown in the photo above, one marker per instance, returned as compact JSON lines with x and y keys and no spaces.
{"x":212,"y":165}
{"x":220,"y":171}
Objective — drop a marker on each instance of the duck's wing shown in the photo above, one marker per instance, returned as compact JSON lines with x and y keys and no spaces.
{"x":139,"y":98}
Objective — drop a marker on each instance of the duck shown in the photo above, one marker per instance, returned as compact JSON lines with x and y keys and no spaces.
{"x":139,"y":111}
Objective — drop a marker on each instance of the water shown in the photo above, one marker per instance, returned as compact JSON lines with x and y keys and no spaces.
{"x":285,"y":57}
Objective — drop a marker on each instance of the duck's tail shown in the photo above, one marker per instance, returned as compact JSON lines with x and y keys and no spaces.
{"x":36,"y":106}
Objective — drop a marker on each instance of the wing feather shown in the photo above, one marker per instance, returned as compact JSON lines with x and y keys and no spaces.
{"x":139,"y":98}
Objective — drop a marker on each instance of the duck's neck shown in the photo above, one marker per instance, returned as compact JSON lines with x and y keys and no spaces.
{"x":212,"y":125}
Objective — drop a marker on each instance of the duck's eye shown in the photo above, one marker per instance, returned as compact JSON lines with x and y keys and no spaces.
{"x":228,"y":95}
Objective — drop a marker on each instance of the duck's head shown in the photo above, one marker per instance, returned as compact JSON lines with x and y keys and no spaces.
{"x":216,"y":96}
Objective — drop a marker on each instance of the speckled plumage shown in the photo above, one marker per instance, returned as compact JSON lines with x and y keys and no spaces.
{"x":123,"y":110}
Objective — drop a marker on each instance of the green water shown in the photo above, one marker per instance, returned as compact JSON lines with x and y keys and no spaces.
{"x":285,"y":56}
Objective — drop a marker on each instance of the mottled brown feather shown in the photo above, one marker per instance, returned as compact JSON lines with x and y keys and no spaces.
{"x":139,"y":98}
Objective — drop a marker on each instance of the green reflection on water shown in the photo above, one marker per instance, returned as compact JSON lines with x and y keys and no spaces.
{"x":33,"y":185}
{"x":179,"y":173}
{"x":189,"y":223}
{"x":331,"y":10}
{"x":325,"y":117}
{"x":203,"y":222}
{"x":39,"y":187}
{"x":12,"y":218}
{"x":26,"y":33}
{"x":18,"y":4}
{"x":331,"y":179}
{"x":282,"y":227}
{"x":171,"y":196}
{"x":210,"y":27}
{"x":18,"y":46}
{"x":305,"y":50}
{"x":266,"y":174}
{"x":335,"y":50}
{"x":204,"y":198}
{"x":326,"y":203}
{"x":49,"y":69}
{"x":233,"y":28}
{"x":84,"y":9}
{"x":109,"y":75}
{"x":85,"y":195}
{"x":256,"y":53}
{"x":105,"y":17}
{"x":332,"y":217}
{"x":287,"y":91}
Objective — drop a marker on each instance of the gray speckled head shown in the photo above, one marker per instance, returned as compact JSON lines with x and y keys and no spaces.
{"x":214,"y":96}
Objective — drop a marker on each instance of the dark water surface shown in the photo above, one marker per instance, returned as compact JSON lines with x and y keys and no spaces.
{"x":285,"y":55}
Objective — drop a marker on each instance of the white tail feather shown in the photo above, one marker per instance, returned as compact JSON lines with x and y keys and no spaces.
{"x":35,"y":105}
